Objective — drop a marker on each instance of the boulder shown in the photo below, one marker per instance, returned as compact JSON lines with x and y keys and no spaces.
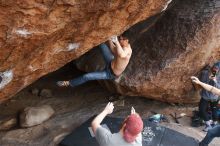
{"x":167,"y":50}
{"x":32,"y":116}
{"x":38,"y":37}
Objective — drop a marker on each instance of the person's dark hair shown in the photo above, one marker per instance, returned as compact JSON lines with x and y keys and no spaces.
{"x":125,"y":34}
{"x":0,"y":79}
{"x":215,"y":68}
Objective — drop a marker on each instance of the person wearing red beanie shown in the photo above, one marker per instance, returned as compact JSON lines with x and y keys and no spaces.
{"x":128,"y":135}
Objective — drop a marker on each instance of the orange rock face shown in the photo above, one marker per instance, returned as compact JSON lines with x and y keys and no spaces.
{"x":40,"y":36}
{"x":167,"y":50}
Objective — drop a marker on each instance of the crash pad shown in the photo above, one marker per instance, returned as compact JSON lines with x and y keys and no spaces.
{"x":152,"y":134}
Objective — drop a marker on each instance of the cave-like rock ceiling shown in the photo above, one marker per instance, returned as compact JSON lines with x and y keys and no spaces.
{"x":171,"y":40}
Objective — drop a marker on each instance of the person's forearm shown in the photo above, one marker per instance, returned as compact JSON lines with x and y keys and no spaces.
{"x":112,"y":46}
{"x":99,"y":118}
{"x":210,"y":88}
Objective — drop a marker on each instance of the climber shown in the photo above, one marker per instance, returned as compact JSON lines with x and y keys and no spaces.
{"x":116,"y":59}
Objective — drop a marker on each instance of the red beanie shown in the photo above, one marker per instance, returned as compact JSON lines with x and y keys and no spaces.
{"x":134,"y":125}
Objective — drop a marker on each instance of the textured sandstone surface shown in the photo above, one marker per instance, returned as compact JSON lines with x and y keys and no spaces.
{"x":40,"y":36}
{"x":167,"y":50}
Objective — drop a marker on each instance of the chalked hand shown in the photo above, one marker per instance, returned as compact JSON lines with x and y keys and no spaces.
{"x":133,"y":110}
{"x":114,"y":39}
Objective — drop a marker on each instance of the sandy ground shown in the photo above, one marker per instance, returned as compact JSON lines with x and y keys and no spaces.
{"x":73,"y":106}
